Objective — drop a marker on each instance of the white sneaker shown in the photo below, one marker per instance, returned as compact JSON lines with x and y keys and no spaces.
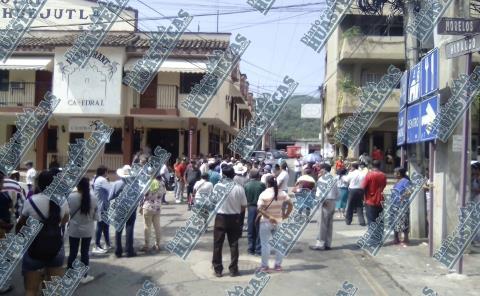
{"x":87,"y":279}
{"x":97,"y":250}
{"x":178,"y":201}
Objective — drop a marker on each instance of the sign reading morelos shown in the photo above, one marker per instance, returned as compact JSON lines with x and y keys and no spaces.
{"x":458,"y":26}
{"x":463,"y":46}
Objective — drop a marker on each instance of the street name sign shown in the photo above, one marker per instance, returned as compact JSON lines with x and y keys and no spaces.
{"x":463,"y":46}
{"x":458,"y":26}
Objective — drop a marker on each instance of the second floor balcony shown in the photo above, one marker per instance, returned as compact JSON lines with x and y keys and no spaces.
{"x":17,"y":94}
{"x":159,"y":100}
{"x":372,"y":48}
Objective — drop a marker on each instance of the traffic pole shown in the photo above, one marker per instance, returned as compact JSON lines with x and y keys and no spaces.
{"x":465,"y":158}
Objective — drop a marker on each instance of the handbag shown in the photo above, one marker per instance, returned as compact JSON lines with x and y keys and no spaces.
{"x":257,"y":219}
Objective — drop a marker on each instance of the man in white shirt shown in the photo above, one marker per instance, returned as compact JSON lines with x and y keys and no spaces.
{"x":202,"y":187}
{"x":31,"y":174}
{"x":327,"y":210}
{"x":298,"y":168}
{"x":229,"y":221}
{"x":355,"y":194}
{"x":282,"y":179}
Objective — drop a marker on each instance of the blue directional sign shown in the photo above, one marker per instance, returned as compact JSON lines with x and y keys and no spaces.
{"x":414,"y":84}
{"x":429,"y":75}
{"x":401,"y":127}
{"x":404,"y":90}
{"x":413,"y":124}
{"x":428,"y":112}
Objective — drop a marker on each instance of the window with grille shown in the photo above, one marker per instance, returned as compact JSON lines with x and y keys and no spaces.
{"x":115,"y":145}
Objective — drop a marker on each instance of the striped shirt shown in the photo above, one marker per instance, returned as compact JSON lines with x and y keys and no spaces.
{"x":16,"y":193}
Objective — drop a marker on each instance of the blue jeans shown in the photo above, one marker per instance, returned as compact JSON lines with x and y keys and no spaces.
{"x":102,"y":228}
{"x":253,"y":229}
{"x":266,"y":230}
{"x":129,"y":227}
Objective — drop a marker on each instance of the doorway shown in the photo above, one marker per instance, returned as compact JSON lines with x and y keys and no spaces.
{"x":165,"y":138}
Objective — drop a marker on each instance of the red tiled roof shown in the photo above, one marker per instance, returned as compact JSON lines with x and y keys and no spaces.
{"x":134,"y":40}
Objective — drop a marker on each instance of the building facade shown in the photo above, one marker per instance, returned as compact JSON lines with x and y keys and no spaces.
{"x":360,"y":51}
{"x":154,"y":118}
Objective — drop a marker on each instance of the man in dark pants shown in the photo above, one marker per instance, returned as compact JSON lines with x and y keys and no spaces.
{"x":355,"y":194}
{"x":229,"y":221}
{"x":115,"y":191}
{"x":374,"y":184}
{"x":253,"y":189}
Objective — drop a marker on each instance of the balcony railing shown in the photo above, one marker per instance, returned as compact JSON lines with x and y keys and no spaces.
{"x":372,"y":48}
{"x":17,"y":94}
{"x":111,"y":161}
{"x":167,"y":98}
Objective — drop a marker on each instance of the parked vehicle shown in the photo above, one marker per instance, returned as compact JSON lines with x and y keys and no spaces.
{"x":264,"y":156}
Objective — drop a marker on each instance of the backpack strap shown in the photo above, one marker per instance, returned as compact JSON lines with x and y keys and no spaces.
{"x":37,"y":210}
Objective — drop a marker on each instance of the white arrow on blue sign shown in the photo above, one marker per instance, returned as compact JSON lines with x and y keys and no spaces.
{"x":429,"y":76}
{"x":428,"y":112}
{"x":401,"y":127}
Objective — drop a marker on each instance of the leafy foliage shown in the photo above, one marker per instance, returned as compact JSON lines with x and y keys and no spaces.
{"x":352,"y":32}
{"x":290,"y":125}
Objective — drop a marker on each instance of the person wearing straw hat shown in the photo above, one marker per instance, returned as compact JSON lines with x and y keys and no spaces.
{"x":124,"y":173}
{"x":240,"y":171}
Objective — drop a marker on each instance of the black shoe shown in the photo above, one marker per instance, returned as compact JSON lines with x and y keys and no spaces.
{"x":251,"y":253}
{"x":348,"y":223}
{"x":165,"y":203}
{"x":131,"y":255}
{"x":363,"y":224}
{"x":118,"y":255}
{"x":218,"y":274}
{"x":234,"y":273}
{"x":327,"y":248}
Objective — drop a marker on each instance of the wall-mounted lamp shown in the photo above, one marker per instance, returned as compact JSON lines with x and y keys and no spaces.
{"x":63,"y":129}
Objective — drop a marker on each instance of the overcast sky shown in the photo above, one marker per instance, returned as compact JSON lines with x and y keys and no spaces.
{"x":275,"y":49}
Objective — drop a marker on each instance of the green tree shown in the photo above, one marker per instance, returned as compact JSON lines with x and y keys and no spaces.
{"x":290,"y":126}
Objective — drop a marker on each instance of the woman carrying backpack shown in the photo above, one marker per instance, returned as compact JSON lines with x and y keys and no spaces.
{"x":83,"y":209}
{"x":46,"y":251}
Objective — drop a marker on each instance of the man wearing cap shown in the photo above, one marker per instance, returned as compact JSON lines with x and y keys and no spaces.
{"x":124,"y":173}
{"x":253,"y":189}
{"x":228,"y":221}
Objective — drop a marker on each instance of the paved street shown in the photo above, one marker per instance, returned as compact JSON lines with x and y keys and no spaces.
{"x":394,"y":271}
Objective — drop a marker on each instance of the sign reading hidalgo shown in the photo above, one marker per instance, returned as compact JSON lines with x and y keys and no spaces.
{"x":94,"y":89}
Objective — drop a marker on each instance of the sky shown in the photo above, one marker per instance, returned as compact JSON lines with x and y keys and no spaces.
{"x":275,"y":50}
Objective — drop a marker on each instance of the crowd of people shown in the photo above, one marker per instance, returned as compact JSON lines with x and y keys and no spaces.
{"x":260,"y":195}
